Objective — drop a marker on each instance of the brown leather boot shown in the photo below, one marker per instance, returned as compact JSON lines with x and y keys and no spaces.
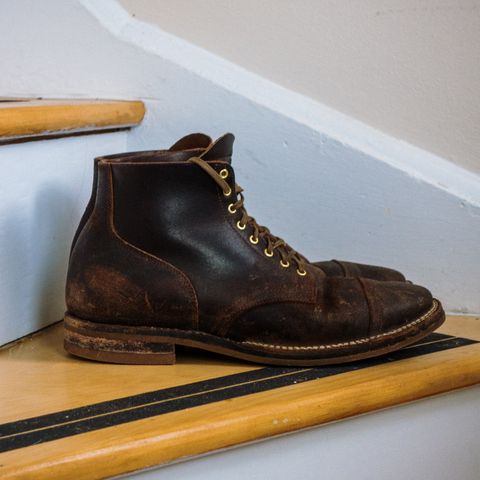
{"x":331,"y":268}
{"x":168,"y":255}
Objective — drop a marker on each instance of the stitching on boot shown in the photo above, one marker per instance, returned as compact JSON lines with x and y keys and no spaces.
{"x":375,"y":317}
{"x":342,"y":267}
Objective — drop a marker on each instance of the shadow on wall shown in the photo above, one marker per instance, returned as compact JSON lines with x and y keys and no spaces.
{"x":35,"y":242}
{"x":54,"y":208}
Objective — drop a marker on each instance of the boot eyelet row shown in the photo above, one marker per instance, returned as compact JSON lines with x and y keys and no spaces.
{"x":253,"y":240}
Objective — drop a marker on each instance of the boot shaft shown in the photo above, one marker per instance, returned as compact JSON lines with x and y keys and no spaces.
{"x":166,"y":210}
{"x":192,"y":142}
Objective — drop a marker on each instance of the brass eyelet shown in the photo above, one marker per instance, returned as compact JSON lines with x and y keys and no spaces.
{"x":231,"y":208}
{"x":240,"y":226}
{"x":284,"y":264}
{"x":228,"y":192}
{"x":268,"y":253}
{"x":302,"y":272}
{"x":224,"y":173}
{"x":253,"y":239}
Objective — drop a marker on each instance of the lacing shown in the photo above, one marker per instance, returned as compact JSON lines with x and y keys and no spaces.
{"x":274,"y":244}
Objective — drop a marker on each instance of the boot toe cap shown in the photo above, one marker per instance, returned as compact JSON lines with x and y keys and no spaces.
{"x":395,"y":304}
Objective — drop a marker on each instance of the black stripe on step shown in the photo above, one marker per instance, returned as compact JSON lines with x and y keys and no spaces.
{"x":44,"y":428}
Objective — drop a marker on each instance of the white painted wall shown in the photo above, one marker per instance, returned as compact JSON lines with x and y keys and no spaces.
{"x":44,"y":189}
{"x":433,"y":439}
{"x":332,"y":186}
{"x":410,"y":68}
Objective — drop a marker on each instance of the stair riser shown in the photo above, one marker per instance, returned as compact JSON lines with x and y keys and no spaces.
{"x":45,"y":187}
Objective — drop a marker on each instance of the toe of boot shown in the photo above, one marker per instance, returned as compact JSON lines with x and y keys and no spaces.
{"x":348,"y":269}
{"x":395,"y":304}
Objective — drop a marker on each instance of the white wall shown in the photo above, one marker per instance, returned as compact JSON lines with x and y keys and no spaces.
{"x":410,"y":68}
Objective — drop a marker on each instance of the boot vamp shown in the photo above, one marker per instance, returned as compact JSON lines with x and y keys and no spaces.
{"x":347,"y":310}
{"x":340,"y":268}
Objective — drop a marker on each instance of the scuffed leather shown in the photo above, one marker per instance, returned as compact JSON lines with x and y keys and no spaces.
{"x":340,"y":312}
{"x":109,"y":280}
{"x":391,"y":303}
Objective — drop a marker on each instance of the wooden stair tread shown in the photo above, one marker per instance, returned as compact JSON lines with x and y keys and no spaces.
{"x":30,"y":118}
{"x":152,"y":415}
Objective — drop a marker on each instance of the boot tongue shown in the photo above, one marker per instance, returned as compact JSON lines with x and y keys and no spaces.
{"x":220,"y":149}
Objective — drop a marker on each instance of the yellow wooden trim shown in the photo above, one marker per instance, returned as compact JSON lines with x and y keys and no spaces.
{"x":38,"y":377}
{"x":52,"y":117}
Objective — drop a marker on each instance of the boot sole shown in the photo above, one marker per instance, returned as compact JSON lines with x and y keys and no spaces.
{"x":153,"y":345}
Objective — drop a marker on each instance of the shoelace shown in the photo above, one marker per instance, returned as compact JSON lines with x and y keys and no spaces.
{"x":287,"y":253}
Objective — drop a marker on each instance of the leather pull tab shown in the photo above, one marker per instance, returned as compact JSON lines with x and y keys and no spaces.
{"x":222,"y":148}
{"x":192,"y":141}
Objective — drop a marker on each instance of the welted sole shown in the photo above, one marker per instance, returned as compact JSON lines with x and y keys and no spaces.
{"x":153,"y":345}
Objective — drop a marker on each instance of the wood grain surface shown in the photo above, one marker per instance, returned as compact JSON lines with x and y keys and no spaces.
{"x":37,"y":378}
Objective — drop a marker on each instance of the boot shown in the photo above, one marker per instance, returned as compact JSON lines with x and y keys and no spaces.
{"x":169,"y":255}
{"x":331,"y":268}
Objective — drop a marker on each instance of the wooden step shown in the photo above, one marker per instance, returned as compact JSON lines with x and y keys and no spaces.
{"x":63,"y":417}
{"x":40,"y":118}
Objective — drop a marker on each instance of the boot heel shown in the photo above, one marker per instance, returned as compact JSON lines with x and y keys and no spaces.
{"x":115,"y":344}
